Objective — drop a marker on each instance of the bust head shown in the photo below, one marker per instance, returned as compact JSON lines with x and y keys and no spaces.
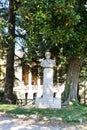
{"x":47,"y":55}
{"x":48,"y":63}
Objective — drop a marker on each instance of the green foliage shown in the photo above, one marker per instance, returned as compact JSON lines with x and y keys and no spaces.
{"x":66,"y":93}
{"x":14,"y":97}
{"x":47,"y":23}
{"x":5,"y":37}
{"x":83,"y":73}
{"x":3,"y":40}
{"x":77,"y":44}
{"x":1,"y":95}
{"x":82,"y":81}
{"x":55,"y":25}
{"x":73,"y":102}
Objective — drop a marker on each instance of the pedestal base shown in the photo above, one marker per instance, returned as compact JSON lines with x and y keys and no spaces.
{"x":52,"y":103}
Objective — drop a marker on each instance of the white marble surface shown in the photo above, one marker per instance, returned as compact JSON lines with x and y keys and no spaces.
{"x":48,"y":83}
{"x":48,"y":101}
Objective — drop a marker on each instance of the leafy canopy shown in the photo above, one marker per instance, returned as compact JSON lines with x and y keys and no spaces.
{"x":48,"y":24}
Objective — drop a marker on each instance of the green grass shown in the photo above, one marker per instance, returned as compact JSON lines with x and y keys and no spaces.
{"x":69,"y":114}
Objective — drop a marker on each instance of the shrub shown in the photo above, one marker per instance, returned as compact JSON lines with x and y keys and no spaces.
{"x":14,"y":97}
{"x":1,"y":95}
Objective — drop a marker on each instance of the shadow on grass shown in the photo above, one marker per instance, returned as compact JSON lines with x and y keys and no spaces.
{"x":69,"y":114}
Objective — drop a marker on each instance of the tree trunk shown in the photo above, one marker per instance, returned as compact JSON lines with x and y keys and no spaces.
{"x":72,"y":80}
{"x":9,"y":83}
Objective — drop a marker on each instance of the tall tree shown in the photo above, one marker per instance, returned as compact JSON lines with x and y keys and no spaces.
{"x":9,"y":82}
{"x":72,"y":80}
{"x":60,"y":25}
{"x":77,"y":45}
{"x":53,"y":24}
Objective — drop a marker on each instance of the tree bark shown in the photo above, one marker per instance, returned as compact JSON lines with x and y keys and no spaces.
{"x":9,"y":83}
{"x":72,"y":80}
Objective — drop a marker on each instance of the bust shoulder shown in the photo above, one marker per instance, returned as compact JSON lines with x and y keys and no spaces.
{"x":48,"y":63}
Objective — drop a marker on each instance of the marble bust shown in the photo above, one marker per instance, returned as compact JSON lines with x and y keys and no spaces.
{"x":48,"y":101}
{"x":48,"y":63}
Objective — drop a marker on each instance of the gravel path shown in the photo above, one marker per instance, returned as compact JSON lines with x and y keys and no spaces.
{"x":10,"y":123}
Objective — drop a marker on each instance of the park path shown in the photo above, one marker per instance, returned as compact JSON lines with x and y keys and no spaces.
{"x":11,"y":123}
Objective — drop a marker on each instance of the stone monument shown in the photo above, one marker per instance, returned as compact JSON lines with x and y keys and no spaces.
{"x":48,"y":101}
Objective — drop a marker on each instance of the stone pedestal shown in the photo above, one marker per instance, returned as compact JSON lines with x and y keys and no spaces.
{"x":43,"y":103}
{"x":48,"y":84}
{"x":48,"y":101}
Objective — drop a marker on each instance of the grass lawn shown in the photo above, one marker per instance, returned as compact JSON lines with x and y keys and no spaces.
{"x":69,"y":114}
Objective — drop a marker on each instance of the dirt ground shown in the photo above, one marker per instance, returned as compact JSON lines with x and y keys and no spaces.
{"x":8,"y":122}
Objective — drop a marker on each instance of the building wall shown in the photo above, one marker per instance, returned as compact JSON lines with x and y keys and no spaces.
{"x":29,"y":83}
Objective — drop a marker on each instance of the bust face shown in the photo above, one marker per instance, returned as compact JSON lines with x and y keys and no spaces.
{"x":47,"y":55}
